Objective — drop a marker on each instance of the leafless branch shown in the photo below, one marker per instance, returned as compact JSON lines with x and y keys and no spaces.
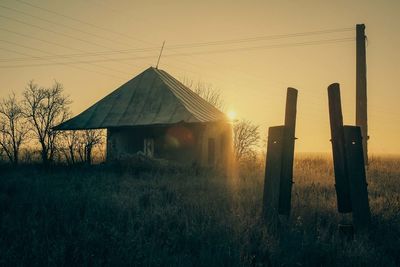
{"x":246,"y":138}
{"x":13,"y":127}
{"x":45,"y":108}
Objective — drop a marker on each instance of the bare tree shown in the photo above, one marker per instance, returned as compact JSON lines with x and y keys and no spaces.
{"x":45,"y":108}
{"x":206,"y":91}
{"x":78,"y":145}
{"x":13,"y":128}
{"x":91,"y":138}
{"x":69,"y":145}
{"x":246,"y":138}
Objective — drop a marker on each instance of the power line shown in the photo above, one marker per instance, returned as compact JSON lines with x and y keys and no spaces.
{"x":148,"y":57}
{"x":83,"y":22}
{"x":112,"y":52}
{"x":49,"y":42}
{"x":193,"y":64}
{"x":119,"y":12}
{"x":80,"y":21}
{"x":190,"y":45}
{"x":56,"y":32}
{"x":268,"y":37}
{"x":193,"y":45}
{"x":318,"y":42}
{"x":50,"y":60}
{"x":262,"y":38}
{"x":130,"y":37}
{"x":202,"y":44}
{"x":242,"y":72}
{"x":72,"y":66}
{"x":57,"y":23}
{"x":74,"y":55}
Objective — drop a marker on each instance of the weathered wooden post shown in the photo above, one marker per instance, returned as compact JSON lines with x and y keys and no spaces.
{"x":279,"y":164}
{"x":349,"y":167}
{"x":273,"y":170}
{"x":361,"y":88}
{"x":285,"y":194}
{"x":356,"y":172}
{"x":338,"y":149}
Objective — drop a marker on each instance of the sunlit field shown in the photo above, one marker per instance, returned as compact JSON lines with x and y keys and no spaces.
{"x":104,"y":215}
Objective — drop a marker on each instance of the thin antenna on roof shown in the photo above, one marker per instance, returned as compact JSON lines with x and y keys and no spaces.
{"x":159,"y":57}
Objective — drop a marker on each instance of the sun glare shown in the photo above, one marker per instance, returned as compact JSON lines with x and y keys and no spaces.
{"x":232,"y":115}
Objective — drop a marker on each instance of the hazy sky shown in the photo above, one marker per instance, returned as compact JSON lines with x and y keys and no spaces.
{"x":94,"y":46}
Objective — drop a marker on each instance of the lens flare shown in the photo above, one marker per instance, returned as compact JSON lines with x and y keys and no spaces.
{"x":232,"y":115}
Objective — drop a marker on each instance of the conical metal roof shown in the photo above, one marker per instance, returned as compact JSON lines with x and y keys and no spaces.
{"x":152,"y":97}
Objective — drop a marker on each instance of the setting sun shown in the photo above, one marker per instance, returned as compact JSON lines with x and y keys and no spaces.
{"x":232,"y":115}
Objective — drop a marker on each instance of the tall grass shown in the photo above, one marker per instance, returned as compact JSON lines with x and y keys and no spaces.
{"x":99,"y":216}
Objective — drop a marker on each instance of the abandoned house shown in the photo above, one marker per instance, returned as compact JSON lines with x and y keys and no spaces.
{"x":156,"y":115}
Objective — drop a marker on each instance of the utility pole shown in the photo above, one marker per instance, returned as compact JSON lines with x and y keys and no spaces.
{"x":361,"y":88}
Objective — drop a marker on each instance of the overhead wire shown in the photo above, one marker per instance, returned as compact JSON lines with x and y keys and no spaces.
{"x":204,"y":43}
{"x":215,"y":63}
{"x":189,"y":63}
{"x":54,"y":32}
{"x":191,"y":45}
{"x":63,"y":63}
{"x":74,"y":55}
{"x":57,"y":33}
{"x":72,"y":66}
{"x":46,"y":52}
{"x":261,"y":38}
{"x":220,"y":42}
{"x":80,"y":21}
{"x":329,"y":41}
{"x":126,"y":51}
{"x":59,"y":24}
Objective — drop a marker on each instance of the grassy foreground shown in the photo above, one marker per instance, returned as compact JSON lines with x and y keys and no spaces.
{"x":92,"y":217}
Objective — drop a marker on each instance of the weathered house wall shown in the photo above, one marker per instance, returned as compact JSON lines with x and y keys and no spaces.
{"x":207,"y":145}
{"x":216,"y":145}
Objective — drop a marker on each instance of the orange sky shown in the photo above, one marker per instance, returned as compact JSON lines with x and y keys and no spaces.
{"x":93,"y":46}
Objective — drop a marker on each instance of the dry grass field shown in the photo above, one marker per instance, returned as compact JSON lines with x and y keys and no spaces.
{"x":101,"y":216}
